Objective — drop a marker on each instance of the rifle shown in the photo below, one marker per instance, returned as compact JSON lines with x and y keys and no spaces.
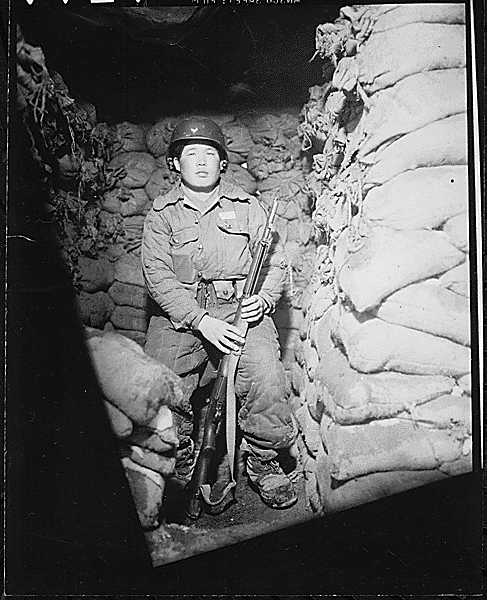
{"x":224,"y":393}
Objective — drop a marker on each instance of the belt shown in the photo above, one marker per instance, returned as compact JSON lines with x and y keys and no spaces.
{"x":210,"y":294}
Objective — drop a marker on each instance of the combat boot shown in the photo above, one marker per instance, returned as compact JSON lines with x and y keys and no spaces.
{"x":271,"y":483}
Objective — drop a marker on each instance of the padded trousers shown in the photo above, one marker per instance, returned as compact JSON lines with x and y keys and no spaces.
{"x":264,"y":415}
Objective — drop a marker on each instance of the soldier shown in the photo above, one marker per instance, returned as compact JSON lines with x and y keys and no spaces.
{"x":196,"y":252}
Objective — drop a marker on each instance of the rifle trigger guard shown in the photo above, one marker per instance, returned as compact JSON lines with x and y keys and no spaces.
{"x":205,"y":491}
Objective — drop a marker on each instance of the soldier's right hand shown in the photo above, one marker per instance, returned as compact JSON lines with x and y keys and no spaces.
{"x":224,"y":336}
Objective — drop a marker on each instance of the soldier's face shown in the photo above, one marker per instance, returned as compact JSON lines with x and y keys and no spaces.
{"x":200,"y":166}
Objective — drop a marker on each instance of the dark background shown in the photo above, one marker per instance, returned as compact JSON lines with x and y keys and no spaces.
{"x":233,"y":57}
{"x":72,"y":528}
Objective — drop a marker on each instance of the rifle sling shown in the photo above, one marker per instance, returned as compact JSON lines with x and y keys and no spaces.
{"x":231,"y":433}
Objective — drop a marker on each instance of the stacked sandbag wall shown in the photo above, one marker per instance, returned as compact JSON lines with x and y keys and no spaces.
{"x":139,"y":396}
{"x":383,"y":360}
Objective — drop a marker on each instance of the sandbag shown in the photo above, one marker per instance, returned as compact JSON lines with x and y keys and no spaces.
{"x":136,"y":168}
{"x":153,"y":461}
{"x":389,"y":260}
{"x":110,"y":201}
{"x":128,"y":317}
{"x":238,"y":141}
{"x":147,"y":489}
{"x":95,"y":309}
{"x":160,"y":436}
{"x":412,"y":103}
{"x":351,"y":397}
{"x":465,"y":383}
{"x":122,"y":426}
{"x":431,"y":308}
{"x":457,"y":230}
{"x":372,"y":345}
{"x":389,"y":445}
{"x":389,"y":56}
{"x":373,"y":486}
{"x":160,"y":183}
{"x":440,"y":143}
{"x":309,"y":428}
{"x":128,"y":137}
{"x":132,"y":381}
{"x":134,"y":202}
{"x":264,"y":160}
{"x":448,"y":411}
{"x":133,"y":227}
{"x":458,"y":279}
{"x":241,"y":177}
{"x":450,"y":14}
{"x":269,"y":128}
{"x":137,"y":336}
{"x":159,"y":136}
{"x":96,"y":274}
{"x":124,"y":294}
{"x":420,"y":199}
{"x":128,"y":269}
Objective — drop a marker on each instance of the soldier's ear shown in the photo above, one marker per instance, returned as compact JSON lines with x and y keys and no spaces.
{"x":176,"y":164}
{"x":223,"y":166}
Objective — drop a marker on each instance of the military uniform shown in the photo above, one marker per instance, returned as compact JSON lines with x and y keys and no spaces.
{"x":186,"y":244}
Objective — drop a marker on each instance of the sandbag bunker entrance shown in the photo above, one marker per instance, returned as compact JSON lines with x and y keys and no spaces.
{"x":374,"y":321}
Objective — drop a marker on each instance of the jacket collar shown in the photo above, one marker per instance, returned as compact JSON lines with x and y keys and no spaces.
{"x":226,"y":190}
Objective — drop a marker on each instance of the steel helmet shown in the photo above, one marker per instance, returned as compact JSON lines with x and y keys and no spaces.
{"x":197,"y":129}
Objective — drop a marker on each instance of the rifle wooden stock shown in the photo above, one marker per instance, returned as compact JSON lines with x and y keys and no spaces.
{"x":216,"y":402}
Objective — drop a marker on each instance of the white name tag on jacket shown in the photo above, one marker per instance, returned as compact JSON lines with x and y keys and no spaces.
{"x":229,"y":214}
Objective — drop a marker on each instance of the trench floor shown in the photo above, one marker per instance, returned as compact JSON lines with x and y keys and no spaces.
{"x":244,"y":518}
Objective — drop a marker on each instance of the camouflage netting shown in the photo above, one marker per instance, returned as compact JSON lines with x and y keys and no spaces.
{"x":383,"y":360}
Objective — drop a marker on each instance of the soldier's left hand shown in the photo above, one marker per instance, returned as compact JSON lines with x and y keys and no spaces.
{"x":253,"y":308}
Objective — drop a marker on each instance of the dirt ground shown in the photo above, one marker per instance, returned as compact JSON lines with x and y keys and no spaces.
{"x":240,"y":519}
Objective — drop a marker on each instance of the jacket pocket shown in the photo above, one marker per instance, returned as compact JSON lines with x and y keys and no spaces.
{"x":183,"y":245}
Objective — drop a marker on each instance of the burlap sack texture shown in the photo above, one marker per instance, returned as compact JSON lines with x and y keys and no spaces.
{"x":383,"y":357}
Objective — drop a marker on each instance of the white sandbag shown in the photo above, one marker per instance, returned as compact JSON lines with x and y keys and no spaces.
{"x":440,"y":143}
{"x":431,"y":308}
{"x":136,"y":168}
{"x":389,"y":56}
{"x":390,"y":445}
{"x":370,"y":487}
{"x":444,"y":412}
{"x":465,"y":383}
{"x":412,"y":103}
{"x":421,"y":199}
{"x":121,"y":425}
{"x":389,"y":260}
{"x":372,"y":345}
{"x":354,"y":397}
{"x":135,"y":383}
{"x":147,"y":489}
{"x":458,"y":279}
{"x":457,"y":230}
{"x":451,"y":14}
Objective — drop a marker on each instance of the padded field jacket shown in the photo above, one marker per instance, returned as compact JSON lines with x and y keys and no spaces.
{"x":182,"y":245}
